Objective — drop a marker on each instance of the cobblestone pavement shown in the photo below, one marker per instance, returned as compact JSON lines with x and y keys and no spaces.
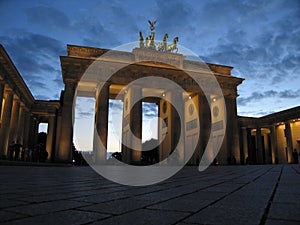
{"x":268,"y":194}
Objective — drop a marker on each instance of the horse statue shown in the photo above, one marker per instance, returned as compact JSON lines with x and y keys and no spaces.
{"x":141,"y":41}
{"x":150,"y":41}
{"x":172,"y":47}
{"x":162,"y":47}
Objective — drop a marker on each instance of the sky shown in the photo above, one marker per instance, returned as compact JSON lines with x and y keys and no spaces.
{"x":260,"y":39}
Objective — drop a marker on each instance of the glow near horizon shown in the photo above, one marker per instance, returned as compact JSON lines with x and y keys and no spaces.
{"x":84,"y":125}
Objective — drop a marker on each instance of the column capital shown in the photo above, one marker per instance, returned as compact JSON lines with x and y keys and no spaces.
{"x":70,"y":80}
{"x":22,"y":105}
{"x":9,"y":91}
{"x":97,"y":91}
{"x":16,"y":98}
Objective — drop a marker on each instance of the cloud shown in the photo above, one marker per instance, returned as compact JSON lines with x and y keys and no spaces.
{"x":116,"y":105}
{"x":259,"y":96}
{"x":257,"y":113}
{"x":41,"y":97}
{"x":259,"y":38}
{"x":150,"y":110}
{"x":85,"y":114}
{"x":47,"y":17}
{"x":264,"y":49}
{"x":289,"y":94}
{"x":36,"y":57}
{"x":169,"y":12}
{"x":113,"y":26}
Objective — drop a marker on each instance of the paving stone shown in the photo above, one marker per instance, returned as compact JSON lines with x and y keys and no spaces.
{"x":243,"y":202}
{"x":146,"y":217}
{"x":287,"y":198}
{"x":182,"y":204}
{"x":206,"y":195}
{"x":44,"y":208}
{"x":4,"y":203}
{"x":181,"y":223}
{"x":117,"y":206}
{"x":98,"y":198}
{"x":285,"y":211}
{"x":6,"y":216}
{"x":225,"y":187}
{"x":62,"y":218}
{"x":280,"y":222}
{"x":226,"y":215}
{"x":288,"y":189}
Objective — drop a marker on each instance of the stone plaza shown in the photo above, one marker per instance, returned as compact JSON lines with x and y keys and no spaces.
{"x":260,"y":194}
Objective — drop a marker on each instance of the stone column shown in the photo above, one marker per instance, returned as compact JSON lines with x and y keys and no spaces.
{"x":205,"y":123}
{"x":50,"y":136}
{"x":58,"y":136}
{"x":66,"y":138}
{"x":14,"y":121}
{"x":2,"y":86}
{"x":5,"y":125}
{"x":251,"y":152}
{"x":177,"y":140}
{"x":274,"y":148}
{"x":289,"y":141}
{"x":132,"y":126}
{"x":33,"y":132}
{"x":245,"y":144}
{"x":136,"y":124}
{"x":259,"y":148}
{"x":20,"y":130}
{"x":101,"y":124}
{"x":33,"y":137}
{"x":232,"y":134}
{"x":26,"y":128}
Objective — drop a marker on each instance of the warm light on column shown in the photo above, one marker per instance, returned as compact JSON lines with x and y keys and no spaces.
{"x":3,"y":102}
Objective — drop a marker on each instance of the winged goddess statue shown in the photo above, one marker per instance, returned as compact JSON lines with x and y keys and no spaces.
{"x":152,"y":23}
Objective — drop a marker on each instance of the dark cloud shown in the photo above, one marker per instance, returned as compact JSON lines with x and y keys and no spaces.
{"x":259,"y":38}
{"x":56,"y":96}
{"x":112,"y":27}
{"x":36,"y":57}
{"x":58,"y":80}
{"x":149,"y":110}
{"x":172,"y":16}
{"x":116,"y":105}
{"x":94,"y":34}
{"x":257,"y":113}
{"x":37,"y":83}
{"x":47,"y":17}
{"x":85,"y":114}
{"x":265,"y":48}
{"x":41,"y":97}
{"x":289,"y":94}
{"x":259,"y":96}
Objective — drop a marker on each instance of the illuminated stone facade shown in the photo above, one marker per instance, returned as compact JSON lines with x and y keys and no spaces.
{"x":270,"y":139}
{"x":21,"y":113}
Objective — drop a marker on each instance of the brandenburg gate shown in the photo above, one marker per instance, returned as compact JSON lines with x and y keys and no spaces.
{"x":199,"y":120}
{"x":198,"y":116}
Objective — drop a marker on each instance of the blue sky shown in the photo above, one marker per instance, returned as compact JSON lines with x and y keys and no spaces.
{"x":260,"y":39}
